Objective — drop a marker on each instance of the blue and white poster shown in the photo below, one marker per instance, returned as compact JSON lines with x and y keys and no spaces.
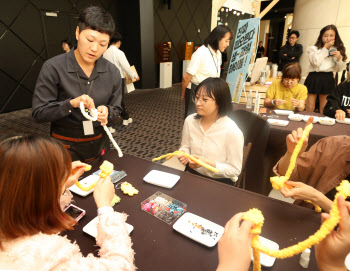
{"x":241,"y":55}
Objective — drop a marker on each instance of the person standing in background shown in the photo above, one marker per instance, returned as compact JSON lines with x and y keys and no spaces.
{"x":326,"y":57}
{"x":261,"y":50}
{"x":291,"y":51}
{"x":116,"y":56}
{"x":66,"y":45}
{"x":205,"y":62}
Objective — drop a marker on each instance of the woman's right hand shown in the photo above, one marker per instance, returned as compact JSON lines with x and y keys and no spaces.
{"x":328,"y":45}
{"x":86,"y":99}
{"x":279,"y":101}
{"x":183,"y":160}
{"x":339,"y":114}
{"x":104,"y":192}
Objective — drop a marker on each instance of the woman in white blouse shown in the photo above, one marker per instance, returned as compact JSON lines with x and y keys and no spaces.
{"x":205,"y":62}
{"x":326,"y":57}
{"x":211,"y":136}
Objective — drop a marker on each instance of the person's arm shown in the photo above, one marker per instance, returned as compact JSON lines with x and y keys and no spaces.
{"x":234,"y":246}
{"x":316,"y":56}
{"x":270,"y":100}
{"x":333,"y":106}
{"x":116,"y":251}
{"x":332,"y":251}
{"x":114,"y":102}
{"x":305,"y":192}
{"x":297,"y":52}
{"x":282,"y":54}
{"x":124,"y":64}
{"x":186,"y":79}
{"x":291,"y":141}
{"x":46,"y":107}
{"x":185,"y":142}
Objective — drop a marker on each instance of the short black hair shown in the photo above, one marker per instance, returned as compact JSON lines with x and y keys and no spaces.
{"x":96,"y":18}
{"x":115,"y":38}
{"x":295,"y":32}
{"x":68,"y":43}
{"x":217,"y":89}
{"x":216,"y":35}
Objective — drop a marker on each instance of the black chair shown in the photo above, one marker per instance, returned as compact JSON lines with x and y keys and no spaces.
{"x":256,"y":131}
{"x":242,"y":176}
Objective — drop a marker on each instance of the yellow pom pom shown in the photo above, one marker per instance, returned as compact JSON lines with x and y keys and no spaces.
{"x":88,"y":167}
{"x":254,"y":215}
{"x":106,"y":169}
{"x":128,"y":189}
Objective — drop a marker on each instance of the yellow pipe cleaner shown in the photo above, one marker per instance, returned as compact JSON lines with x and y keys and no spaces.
{"x":106,"y":169}
{"x":326,"y":228}
{"x":169,"y":155}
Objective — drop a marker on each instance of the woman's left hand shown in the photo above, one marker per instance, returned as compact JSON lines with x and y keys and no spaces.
{"x":103,"y":114}
{"x":295,"y":102}
{"x":78,"y":168}
{"x":336,"y":54}
{"x":193,"y":164}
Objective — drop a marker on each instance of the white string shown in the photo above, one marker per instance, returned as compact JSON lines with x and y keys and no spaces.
{"x":93,"y":117}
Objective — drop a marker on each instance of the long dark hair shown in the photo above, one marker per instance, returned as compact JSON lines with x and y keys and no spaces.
{"x":217,"y":89}
{"x":33,"y":170}
{"x":337,"y":43}
{"x":216,"y":35}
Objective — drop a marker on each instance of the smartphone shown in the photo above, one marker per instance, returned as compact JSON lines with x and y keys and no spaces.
{"x":331,"y":51}
{"x":75,"y":212}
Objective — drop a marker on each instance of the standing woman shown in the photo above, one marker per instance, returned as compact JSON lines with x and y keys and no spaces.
{"x":326,"y":57}
{"x":211,"y":136}
{"x":205,"y":62}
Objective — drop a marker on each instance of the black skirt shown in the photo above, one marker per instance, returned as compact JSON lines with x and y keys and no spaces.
{"x":320,"y":83}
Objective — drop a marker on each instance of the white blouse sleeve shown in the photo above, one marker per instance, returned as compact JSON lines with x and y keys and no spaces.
{"x":234,"y":156}
{"x":340,"y":65}
{"x":185,"y":141}
{"x":195,"y":63}
{"x":316,"y":56}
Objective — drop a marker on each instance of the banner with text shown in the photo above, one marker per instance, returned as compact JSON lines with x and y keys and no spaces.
{"x":241,"y":55}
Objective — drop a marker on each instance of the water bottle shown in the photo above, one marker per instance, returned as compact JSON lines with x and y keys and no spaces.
{"x":249,"y":99}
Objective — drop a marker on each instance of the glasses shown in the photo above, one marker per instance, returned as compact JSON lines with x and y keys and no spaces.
{"x":291,"y":38}
{"x":291,"y":81}
{"x":202,"y":101}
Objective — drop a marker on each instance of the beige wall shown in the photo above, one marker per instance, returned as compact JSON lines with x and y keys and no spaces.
{"x":310,"y":16}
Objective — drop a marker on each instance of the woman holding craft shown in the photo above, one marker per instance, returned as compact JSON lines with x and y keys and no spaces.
{"x":287,"y":93}
{"x":211,"y":136}
{"x":205,"y":62}
{"x":30,"y":227}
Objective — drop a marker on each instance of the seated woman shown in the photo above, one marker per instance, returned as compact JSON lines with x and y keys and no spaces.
{"x":211,"y":136}
{"x":322,"y":167}
{"x":34,"y":172}
{"x":338,"y":105}
{"x":287,"y":93}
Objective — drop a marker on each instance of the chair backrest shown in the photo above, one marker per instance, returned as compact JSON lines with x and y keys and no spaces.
{"x":255,"y":130}
{"x":246,"y":152}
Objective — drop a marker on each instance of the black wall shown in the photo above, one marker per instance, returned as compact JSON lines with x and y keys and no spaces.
{"x":180,"y":24}
{"x":28,"y":37}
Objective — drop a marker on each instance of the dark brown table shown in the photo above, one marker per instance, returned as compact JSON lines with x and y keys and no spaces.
{"x":159,"y":247}
{"x":276,"y":143}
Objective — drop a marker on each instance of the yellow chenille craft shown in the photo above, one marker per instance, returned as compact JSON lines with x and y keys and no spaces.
{"x":327,"y":226}
{"x":106,"y":170}
{"x":169,"y":155}
{"x":128,"y":189}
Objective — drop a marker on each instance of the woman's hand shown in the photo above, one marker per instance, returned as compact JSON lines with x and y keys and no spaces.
{"x":103,"y":114}
{"x":337,"y":55}
{"x":295,"y":102}
{"x":299,"y":191}
{"x":78,"y":169}
{"x":340,"y":114}
{"x":104,"y":192}
{"x":292,"y":140}
{"x":86,"y":99}
{"x":332,"y":251}
{"x":183,"y":160}
{"x":193,"y":164}
{"x":235,"y":245}
{"x":328,"y":45}
{"x":279,"y":101}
